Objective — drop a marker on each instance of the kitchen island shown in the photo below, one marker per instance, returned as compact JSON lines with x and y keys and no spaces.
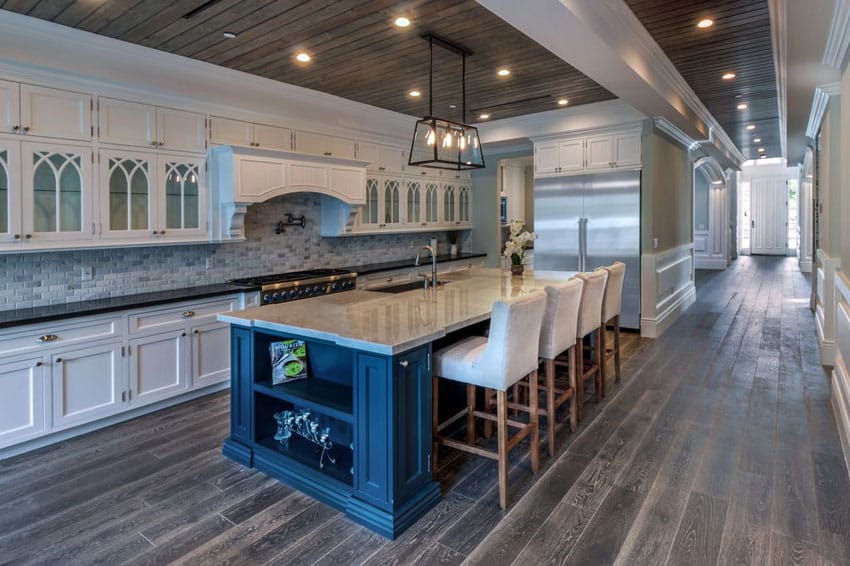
{"x":368,"y":396}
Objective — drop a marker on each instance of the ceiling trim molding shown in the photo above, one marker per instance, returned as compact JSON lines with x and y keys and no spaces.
{"x":711,"y":169}
{"x":838,"y":40}
{"x":779,"y":34}
{"x":819,"y":103}
{"x":666,"y":126}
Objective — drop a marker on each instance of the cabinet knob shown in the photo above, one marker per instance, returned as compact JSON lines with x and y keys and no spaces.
{"x":47,"y":338}
{"x":28,"y":236}
{"x":162,"y":143}
{"x":38,"y":364}
{"x":389,"y":279}
{"x":327,"y":153}
{"x":183,"y":334}
{"x":188,"y":314}
{"x":154,"y":143}
{"x":17,"y":236}
{"x":15,"y":128}
{"x":404,"y":363}
{"x":58,"y":360}
{"x":26,"y":128}
{"x":154,"y":232}
{"x":162,"y":232}
{"x":197,"y":331}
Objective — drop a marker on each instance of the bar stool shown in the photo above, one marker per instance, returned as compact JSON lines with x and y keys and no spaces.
{"x":611,"y":308}
{"x":557,"y":337}
{"x":590,"y":322}
{"x":495,"y":362}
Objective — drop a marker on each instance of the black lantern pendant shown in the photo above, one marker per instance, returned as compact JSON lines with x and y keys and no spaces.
{"x":441,"y":143}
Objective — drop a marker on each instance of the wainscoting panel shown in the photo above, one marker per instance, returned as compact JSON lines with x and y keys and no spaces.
{"x":826,"y":307}
{"x":840,"y":372}
{"x":667,"y":288}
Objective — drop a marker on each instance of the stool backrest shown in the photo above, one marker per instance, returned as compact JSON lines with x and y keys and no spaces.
{"x":613,"y":290}
{"x":511,"y":351}
{"x":560,"y":320}
{"x":593,"y":293}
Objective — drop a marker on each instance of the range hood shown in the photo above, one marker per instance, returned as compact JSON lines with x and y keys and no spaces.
{"x":242,"y":176}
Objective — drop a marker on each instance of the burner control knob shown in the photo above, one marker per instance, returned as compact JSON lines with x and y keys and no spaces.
{"x":267,"y":298}
{"x":300,"y":292}
{"x":308,"y":291}
{"x":291,"y":294}
{"x":318,"y":289}
{"x":335,"y":287}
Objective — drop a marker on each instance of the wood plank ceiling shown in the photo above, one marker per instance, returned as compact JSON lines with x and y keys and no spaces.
{"x":739,"y":42}
{"x":357,"y":52}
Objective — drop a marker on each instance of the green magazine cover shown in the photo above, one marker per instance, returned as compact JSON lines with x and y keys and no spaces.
{"x":289,"y":361}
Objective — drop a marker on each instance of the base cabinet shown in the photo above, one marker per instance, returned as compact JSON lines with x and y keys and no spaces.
{"x":87,"y":384}
{"x":21,"y":400}
{"x":210,"y":354}
{"x":158,"y":367}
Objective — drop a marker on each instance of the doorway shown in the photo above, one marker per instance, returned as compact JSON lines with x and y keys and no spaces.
{"x":769,"y":216}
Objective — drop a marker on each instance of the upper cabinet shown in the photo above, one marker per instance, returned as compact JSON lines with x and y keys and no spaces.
{"x":49,"y":112}
{"x":587,"y":153}
{"x":132,"y":123}
{"x":320,"y":144}
{"x":382,"y":158}
{"x":224,"y":131}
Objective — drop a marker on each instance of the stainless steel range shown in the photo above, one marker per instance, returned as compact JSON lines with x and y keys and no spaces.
{"x":284,"y":287}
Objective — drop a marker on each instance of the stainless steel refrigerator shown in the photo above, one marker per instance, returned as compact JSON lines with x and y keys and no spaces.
{"x":588,"y":221}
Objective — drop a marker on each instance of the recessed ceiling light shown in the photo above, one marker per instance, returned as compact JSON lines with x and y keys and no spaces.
{"x":229,"y":35}
{"x":484,"y":116}
{"x":414,"y":93}
{"x":303,"y":57}
{"x":717,"y":182}
{"x":705,"y":23}
{"x":563,"y":102}
{"x":728,"y":76}
{"x":742,"y":106}
{"x":452,"y":105}
{"x":503,"y":72}
{"x":761,"y":150}
{"x":751,"y":127}
{"x":402,"y":22}
{"x":757,"y":140}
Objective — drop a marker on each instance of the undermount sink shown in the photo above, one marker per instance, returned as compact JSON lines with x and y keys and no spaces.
{"x":406,"y":287}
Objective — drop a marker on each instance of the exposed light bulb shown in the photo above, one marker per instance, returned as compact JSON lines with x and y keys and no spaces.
{"x":431,"y":137}
{"x":447,"y":139}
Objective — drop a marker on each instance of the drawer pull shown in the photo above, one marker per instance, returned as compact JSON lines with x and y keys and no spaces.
{"x":389,"y":279}
{"x":48,"y":338}
{"x":188,"y":314}
{"x":404,"y":363}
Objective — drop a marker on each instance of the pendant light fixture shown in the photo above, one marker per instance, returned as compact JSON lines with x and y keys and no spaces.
{"x":442,"y":143}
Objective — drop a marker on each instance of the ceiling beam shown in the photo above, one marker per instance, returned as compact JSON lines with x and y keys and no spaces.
{"x":606,"y":42}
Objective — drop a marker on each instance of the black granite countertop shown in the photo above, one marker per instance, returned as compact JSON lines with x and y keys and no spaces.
{"x":401,"y":264}
{"x":52,"y":313}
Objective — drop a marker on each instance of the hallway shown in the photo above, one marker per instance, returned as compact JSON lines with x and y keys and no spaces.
{"x":720,"y":448}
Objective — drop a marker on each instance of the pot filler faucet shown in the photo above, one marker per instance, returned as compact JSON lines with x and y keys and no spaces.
{"x":433,"y":264}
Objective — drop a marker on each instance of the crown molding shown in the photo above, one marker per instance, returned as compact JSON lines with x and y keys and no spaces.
{"x":820,"y":100}
{"x":666,"y":126}
{"x":779,"y":34}
{"x":838,"y":39}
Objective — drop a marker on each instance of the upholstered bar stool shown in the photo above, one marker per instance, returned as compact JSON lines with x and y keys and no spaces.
{"x":611,"y":308}
{"x":558,"y":337}
{"x":590,"y":322}
{"x":495,"y":362}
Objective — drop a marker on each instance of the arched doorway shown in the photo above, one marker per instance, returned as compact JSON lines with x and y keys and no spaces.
{"x":711,"y":215}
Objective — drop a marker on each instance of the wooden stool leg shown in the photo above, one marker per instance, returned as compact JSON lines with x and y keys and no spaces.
{"x":534,"y":421}
{"x":502,"y":425}
{"x":574,"y":387}
{"x":488,"y":406}
{"x":600,"y":363}
{"x":579,"y":353}
{"x":617,"y":348}
{"x":516,"y":398}
{"x":435,"y":424}
{"x":470,"y":416}
{"x":549,"y":368}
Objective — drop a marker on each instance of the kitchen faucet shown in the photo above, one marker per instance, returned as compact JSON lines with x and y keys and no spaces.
{"x":433,"y":263}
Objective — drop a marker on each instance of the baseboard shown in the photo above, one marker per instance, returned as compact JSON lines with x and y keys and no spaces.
{"x":806,"y":266}
{"x":53,"y":438}
{"x":653,"y":327}
{"x":710,"y":262}
{"x":826,"y":346}
{"x":841,"y":408}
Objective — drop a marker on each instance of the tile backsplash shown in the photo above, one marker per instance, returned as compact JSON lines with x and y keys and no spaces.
{"x":37,"y":279}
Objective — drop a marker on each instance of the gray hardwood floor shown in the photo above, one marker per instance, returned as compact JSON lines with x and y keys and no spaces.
{"x":719,"y":447}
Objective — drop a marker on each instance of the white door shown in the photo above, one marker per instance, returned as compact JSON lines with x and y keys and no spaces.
{"x":21,"y":400}
{"x":87,"y":384}
{"x":158,"y":367}
{"x":392,"y":160}
{"x":413,"y":196}
{"x":370,"y":152}
{"x":127,"y":188}
{"x":126,"y":123}
{"x":627,"y":149}
{"x":272,"y":137}
{"x":545,"y":158}
{"x":769,"y":215}
{"x":392,"y":201}
{"x":449,"y":204}
{"x":210,"y":354}
{"x":341,"y":147}
{"x":10,"y":191}
{"x":181,"y":198}
{"x":10,"y":107}
{"x":571,"y":155}
{"x":308,"y":142}
{"x":224,"y":131}
{"x":180,"y":130}
{"x":600,"y":152}
{"x":55,"y":113}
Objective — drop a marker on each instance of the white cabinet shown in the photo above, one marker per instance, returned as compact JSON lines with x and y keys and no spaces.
{"x":382,"y":158}
{"x":87,"y":384}
{"x":10,"y":192}
{"x":226,"y":131}
{"x":132,"y":123}
{"x":599,"y":151}
{"x":10,"y":107}
{"x":589,"y":152}
{"x":21,"y":400}
{"x":320,"y":144}
{"x":157,"y":367}
{"x":413,"y":200}
{"x":181,"y":192}
{"x":559,"y":156}
{"x":210,"y":354}
{"x":612,"y":151}
{"x":627,"y":150}
{"x":55,"y":113}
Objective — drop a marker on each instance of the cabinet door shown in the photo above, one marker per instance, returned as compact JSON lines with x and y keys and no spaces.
{"x":392,"y":160}
{"x":412,"y":427}
{"x":627,"y":149}
{"x":413,"y":196}
{"x":57,"y":192}
{"x":545,"y":157}
{"x":127,"y":123}
{"x":87,"y":384}
{"x":449,"y":204}
{"x":210,"y":354}
{"x":340,"y":147}
{"x":464,"y":205}
{"x":55,"y":113}
{"x":10,"y":191}
{"x":308,"y":142}
{"x":181,"y":130}
{"x":370,"y":152}
{"x":181,"y":198}
{"x":158,"y":367}
{"x":600,"y":152}
{"x":224,"y":131}
{"x":392,"y":201}
{"x":272,"y":137}
{"x":371,"y":213}
{"x":571,"y":155}
{"x":127,"y":194}
{"x":10,"y":107}
{"x":432,"y":202}
{"x":21,"y":400}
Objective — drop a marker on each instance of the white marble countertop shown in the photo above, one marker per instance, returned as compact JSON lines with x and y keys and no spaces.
{"x":388,"y":324}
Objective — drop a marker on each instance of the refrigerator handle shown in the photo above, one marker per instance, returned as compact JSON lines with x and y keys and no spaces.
{"x":582,"y":243}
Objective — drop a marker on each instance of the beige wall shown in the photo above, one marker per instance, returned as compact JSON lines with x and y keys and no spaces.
{"x":667,"y":193}
{"x":830,"y":168}
{"x":844,"y":232}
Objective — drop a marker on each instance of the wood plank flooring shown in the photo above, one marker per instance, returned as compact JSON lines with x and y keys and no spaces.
{"x":719,"y":447}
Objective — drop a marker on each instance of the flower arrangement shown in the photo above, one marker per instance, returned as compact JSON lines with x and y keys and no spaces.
{"x":519,"y":241}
